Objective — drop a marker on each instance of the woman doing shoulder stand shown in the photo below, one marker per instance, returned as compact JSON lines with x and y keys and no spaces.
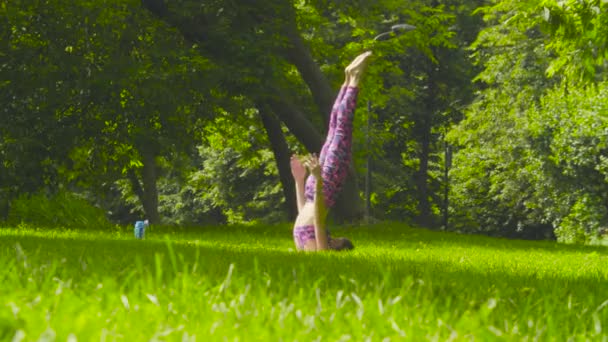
{"x":317,"y":193}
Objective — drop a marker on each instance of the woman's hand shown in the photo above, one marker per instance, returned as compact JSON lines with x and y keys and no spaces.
{"x":312,"y":164}
{"x":298,"y":170}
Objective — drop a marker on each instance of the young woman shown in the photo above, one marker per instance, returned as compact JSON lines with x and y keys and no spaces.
{"x":317,"y":193}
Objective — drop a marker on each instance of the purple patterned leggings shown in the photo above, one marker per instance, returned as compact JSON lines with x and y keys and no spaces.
{"x":335,"y":155}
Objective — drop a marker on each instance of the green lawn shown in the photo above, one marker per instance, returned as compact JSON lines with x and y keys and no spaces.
{"x":247,"y":283}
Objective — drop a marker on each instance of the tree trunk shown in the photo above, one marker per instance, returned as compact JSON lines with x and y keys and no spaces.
{"x":299,"y":55}
{"x":425,"y":126}
{"x":349,"y":205}
{"x":149,"y":177}
{"x":297,"y":123}
{"x":148,"y":192}
{"x":4,"y":204}
{"x":282,"y":157}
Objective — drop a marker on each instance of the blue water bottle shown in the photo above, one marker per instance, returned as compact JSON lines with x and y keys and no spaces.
{"x":140,"y":229}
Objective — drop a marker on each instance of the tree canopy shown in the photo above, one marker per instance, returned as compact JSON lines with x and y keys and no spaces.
{"x":488,"y":117}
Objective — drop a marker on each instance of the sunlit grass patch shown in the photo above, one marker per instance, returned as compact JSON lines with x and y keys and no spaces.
{"x":248,"y":283}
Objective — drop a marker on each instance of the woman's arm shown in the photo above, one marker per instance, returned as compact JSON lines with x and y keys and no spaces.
{"x":319,"y":203}
{"x":298,"y":171}
{"x":319,"y":220}
{"x":300,"y":185}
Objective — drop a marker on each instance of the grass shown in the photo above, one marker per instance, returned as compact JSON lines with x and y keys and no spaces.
{"x":247,"y":283}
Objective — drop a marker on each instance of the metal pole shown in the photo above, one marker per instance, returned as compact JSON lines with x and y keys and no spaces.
{"x":395,"y":30}
{"x":368,"y":174}
{"x":446,"y":175}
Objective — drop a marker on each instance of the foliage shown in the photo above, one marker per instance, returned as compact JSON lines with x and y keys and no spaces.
{"x":95,"y":91}
{"x":531,"y":148}
{"x":575,"y":32}
{"x":579,"y":37}
{"x":61,"y":210}
{"x":494,"y":172}
{"x":533,"y":167}
{"x":575,"y":124}
{"x":237,"y":177}
{"x":410,"y":87}
{"x":583,"y":222}
{"x":153,"y":108}
{"x":201,"y":285}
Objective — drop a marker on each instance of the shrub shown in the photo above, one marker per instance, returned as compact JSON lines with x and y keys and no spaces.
{"x":64,"y":210}
{"x":583,"y":222}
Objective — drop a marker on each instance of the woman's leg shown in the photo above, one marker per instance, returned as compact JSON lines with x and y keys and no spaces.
{"x":309,"y":188}
{"x":335,"y":155}
{"x":332,"y":122}
{"x":338,"y":153}
{"x":338,"y":103}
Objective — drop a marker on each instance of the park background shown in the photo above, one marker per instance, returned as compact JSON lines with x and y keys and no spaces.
{"x":489,"y":117}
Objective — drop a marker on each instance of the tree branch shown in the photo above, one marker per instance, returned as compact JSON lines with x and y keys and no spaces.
{"x":281,"y":155}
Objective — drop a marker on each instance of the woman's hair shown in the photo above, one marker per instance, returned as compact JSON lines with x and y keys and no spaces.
{"x":341,"y":244}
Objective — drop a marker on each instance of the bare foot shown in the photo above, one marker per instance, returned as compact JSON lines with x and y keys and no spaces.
{"x":355,"y":62}
{"x":355,"y":69}
{"x":347,"y":74}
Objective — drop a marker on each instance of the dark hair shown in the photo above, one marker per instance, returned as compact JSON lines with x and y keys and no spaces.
{"x":342,"y":244}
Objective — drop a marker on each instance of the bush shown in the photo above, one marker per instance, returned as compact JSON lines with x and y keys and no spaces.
{"x":584,"y":221}
{"x":63,"y":210}
{"x":528,"y":170}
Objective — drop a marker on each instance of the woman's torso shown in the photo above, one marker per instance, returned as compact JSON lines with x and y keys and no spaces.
{"x":306,"y":215}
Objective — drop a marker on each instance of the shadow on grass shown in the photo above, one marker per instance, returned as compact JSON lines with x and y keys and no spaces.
{"x":391,"y":233}
{"x":399,"y":234}
{"x":278,"y":239}
{"x":403,"y":234}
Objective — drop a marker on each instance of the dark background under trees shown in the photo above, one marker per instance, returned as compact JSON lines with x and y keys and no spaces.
{"x":489,"y":118}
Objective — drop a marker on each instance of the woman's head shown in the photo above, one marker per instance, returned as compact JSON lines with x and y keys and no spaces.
{"x":340,"y":244}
